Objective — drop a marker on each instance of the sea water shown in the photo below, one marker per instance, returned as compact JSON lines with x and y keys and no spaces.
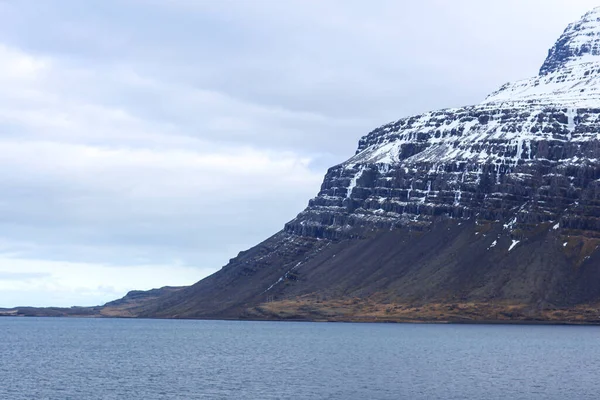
{"x":61,"y":358}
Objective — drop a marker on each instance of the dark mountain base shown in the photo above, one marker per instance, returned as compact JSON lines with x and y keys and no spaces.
{"x":449,"y":271}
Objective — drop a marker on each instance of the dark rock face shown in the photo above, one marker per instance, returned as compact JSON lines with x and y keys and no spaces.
{"x":494,"y":205}
{"x":530,"y":167}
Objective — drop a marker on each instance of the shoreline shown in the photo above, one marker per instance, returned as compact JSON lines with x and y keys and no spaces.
{"x":333,"y":320}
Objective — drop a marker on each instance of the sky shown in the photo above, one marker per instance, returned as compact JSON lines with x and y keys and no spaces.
{"x":144,"y":143}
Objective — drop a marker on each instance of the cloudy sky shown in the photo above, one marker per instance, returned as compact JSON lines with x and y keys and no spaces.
{"x":144,"y":143}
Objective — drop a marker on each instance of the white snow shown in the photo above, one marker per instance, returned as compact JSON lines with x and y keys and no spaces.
{"x":555,"y":89}
{"x":511,"y":223}
{"x":555,"y":227}
{"x":571,"y":114}
{"x":424,"y":198}
{"x":573,"y":81}
{"x":453,"y":135}
{"x":354,"y":180}
{"x":514,"y":243}
{"x":493,"y":245}
{"x":283,"y":277}
{"x":457,"y":196}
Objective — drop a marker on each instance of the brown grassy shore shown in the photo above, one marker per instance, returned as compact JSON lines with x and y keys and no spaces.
{"x":355,"y":310}
{"x":359,"y":310}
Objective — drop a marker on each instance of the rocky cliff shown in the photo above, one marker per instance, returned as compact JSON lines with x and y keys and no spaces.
{"x":485,"y":212}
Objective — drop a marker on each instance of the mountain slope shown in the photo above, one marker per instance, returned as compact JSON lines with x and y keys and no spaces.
{"x":482,"y":212}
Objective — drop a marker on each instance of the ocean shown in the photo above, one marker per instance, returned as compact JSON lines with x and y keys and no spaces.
{"x":62,"y":358}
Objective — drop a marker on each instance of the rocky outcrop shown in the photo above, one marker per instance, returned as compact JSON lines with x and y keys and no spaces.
{"x":531,"y":165}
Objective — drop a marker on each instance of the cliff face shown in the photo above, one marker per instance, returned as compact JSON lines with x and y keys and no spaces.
{"x":482,"y":212}
{"x":528,"y":155}
{"x":529,"y":164}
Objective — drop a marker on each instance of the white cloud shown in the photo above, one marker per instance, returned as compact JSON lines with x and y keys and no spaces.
{"x":88,"y":180}
{"x":41,"y":282}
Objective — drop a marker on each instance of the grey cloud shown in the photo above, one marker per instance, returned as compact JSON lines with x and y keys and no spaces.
{"x":22,"y":276}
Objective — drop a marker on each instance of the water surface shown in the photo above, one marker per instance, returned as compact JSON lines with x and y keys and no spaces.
{"x":46,"y":358}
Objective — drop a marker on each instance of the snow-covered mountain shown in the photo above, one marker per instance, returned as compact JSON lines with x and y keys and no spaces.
{"x":490,"y":211}
{"x":529,"y":151}
{"x":570,"y":75}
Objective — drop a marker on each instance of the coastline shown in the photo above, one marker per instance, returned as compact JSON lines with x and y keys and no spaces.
{"x":257,"y":315}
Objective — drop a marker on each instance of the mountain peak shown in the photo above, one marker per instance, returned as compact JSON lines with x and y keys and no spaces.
{"x":570,"y":75}
{"x":579,"y":43}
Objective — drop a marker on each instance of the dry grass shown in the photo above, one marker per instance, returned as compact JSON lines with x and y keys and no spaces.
{"x":360,"y":310}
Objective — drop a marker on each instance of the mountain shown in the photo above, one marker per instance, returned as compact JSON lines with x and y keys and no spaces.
{"x":485,"y":212}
